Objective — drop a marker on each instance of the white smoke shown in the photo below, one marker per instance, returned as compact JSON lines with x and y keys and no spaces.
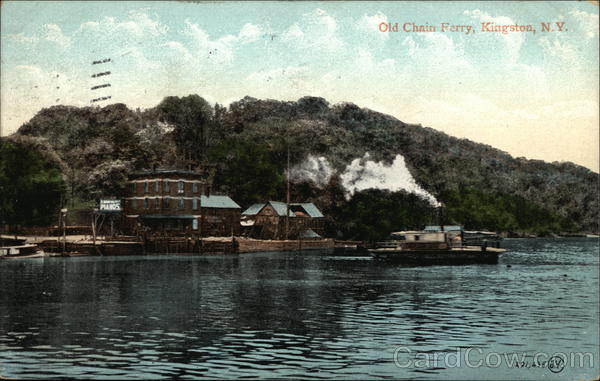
{"x":364,"y":174}
{"x":315,"y":169}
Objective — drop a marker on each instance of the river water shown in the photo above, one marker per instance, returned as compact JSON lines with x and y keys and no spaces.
{"x":303,"y":315}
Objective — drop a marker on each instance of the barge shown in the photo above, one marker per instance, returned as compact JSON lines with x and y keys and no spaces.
{"x":426,"y":247}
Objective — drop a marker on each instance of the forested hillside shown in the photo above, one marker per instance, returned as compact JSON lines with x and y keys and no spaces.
{"x":479,"y":186}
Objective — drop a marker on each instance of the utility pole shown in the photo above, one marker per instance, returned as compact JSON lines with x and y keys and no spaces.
{"x":63,"y":218}
{"x":94,"y":227}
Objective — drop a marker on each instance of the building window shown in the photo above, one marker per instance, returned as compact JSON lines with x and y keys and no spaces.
{"x":180,"y":187}
{"x":195,"y":187}
{"x":181,"y":203}
{"x":145,"y":187}
{"x":165,"y":203}
{"x":195,"y":204}
{"x":133,"y":204}
{"x":133,"y":188}
{"x":157,"y":203}
{"x":156,"y":186}
{"x":145,"y":203}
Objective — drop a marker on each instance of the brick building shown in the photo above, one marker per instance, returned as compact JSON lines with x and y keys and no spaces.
{"x":176,"y":201}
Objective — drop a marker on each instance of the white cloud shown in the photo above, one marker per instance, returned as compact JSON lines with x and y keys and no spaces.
{"x":369,"y":24}
{"x":181,"y":51}
{"x":293,"y":34}
{"x":437,"y":56}
{"x":588,"y":22}
{"x":22,"y":38}
{"x":366,"y":63}
{"x":219,"y":51}
{"x":317,"y":30}
{"x":53,"y":33}
{"x":28,"y":88}
{"x":512,"y":41}
{"x":559,"y":48}
{"x":249,"y":33}
{"x":141,"y":62}
{"x":145,"y":24}
{"x":138,"y":24}
{"x":412,"y":45}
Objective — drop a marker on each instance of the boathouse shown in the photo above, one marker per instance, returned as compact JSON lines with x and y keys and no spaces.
{"x":175,"y":202}
{"x":268,"y":220}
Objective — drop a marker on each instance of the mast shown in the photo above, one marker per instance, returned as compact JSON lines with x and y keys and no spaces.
{"x":287,"y":201}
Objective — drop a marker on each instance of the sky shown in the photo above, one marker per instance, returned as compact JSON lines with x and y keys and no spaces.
{"x":531,"y":93}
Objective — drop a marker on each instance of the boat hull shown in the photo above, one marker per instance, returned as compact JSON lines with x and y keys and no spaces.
{"x":15,"y":251}
{"x":453,"y":256}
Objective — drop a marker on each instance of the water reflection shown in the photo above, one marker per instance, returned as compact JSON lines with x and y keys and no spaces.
{"x":308,"y":315}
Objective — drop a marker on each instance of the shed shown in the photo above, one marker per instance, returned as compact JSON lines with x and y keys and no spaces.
{"x":269,"y":219}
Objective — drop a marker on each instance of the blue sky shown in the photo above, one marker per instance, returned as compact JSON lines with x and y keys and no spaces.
{"x":531,"y":94}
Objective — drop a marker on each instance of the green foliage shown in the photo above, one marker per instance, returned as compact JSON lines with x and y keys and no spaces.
{"x":476,"y":209}
{"x":31,"y":186}
{"x":482,"y":187}
{"x":191,"y":116}
{"x":249,"y":172}
{"x":108,"y":179}
{"x":372,"y":214}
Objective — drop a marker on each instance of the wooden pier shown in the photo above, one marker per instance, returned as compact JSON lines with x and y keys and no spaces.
{"x":121,"y":245}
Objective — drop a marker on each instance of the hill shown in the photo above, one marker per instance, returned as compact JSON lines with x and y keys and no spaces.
{"x":338,"y":154}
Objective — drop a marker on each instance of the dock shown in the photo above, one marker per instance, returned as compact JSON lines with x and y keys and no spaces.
{"x":77,"y":245}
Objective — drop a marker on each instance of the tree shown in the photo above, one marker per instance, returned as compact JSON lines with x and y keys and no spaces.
{"x":249,"y":171}
{"x":373,"y":214}
{"x":31,"y":182}
{"x":191,"y":116}
{"x":108,"y":179}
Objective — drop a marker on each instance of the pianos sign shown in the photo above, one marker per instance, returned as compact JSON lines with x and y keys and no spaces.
{"x":110,"y":205}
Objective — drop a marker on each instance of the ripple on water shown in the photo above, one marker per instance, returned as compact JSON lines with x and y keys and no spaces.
{"x":290,"y":315}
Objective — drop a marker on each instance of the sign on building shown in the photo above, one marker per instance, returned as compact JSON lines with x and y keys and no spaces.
{"x":110,"y":205}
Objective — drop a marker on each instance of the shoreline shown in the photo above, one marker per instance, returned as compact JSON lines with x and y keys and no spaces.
{"x":84,"y":245}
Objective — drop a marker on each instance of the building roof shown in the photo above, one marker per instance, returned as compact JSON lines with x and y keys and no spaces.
{"x":280,"y":208}
{"x":218,"y":202}
{"x":166,"y":172}
{"x":200,"y":172}
{"x":447,"y":228}
{"x":309,"y":233}
{"x":310,"y":208}
{"x":253,"y":209}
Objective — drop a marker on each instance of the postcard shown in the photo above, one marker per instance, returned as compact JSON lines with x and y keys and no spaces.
{"x":299,"y":190}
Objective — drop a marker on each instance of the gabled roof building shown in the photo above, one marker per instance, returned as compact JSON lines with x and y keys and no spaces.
{"x":268,"y":220}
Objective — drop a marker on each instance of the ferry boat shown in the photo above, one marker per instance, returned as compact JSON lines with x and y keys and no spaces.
{"x":18,"y":250}
{"x":438,"y":247}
